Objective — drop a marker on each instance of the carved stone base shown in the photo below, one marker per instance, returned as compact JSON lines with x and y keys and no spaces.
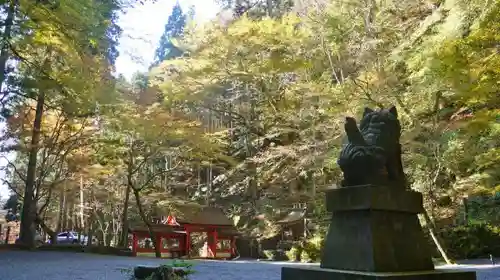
{"x":374,"y":234}
{"x":375,"y":229}
{"x":316,"y":273}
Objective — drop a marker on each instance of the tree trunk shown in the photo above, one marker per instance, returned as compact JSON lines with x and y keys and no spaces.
{"x":269,"y":8}
{"x":90,"y":229}
{"x":90,"y":235}
{"x":104,"y":237}
{"x":436,"y":238}
{"x":74,"y":217}
{"x":466,"y":210}
{"x":64,"y":222}
{"x":116,"y":231}
{"x":7,"y":234}
{"x":146,"y":221}
{"x":108,"y":235}
{"x":82,"y":221}
{"x":69,"y":215}
{"x":52,"y":234}
{"x":124,"y":231}
{"x":99,"y":226}
{"x":27,"y":235}
{"x":60,"y":213}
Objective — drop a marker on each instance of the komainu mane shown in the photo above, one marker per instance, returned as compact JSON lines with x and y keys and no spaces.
{"x":372,"y":154}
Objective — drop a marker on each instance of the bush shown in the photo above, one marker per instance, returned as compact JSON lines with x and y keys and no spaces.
{"x":294,"y":253}
{"x":472,"y":241}
{"x":308,"y":251}
{"x":305,"y":258}
{"x":275,"y":255}
{"x":312,"y":249}
{"x":270,"y":254}
{"x":174,"y":271}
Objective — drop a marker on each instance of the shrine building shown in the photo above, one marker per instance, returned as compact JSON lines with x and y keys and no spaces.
{"x":191,"y":231}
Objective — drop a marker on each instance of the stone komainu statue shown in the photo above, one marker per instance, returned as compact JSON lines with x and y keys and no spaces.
{"x":372,"y":153}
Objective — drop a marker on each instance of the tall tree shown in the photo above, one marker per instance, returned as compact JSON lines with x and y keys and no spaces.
{"x":64,"y":70}
{"x":173,"y":29}
{"x":258,"y":8}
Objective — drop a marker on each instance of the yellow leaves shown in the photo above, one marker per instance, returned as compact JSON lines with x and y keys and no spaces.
{"x":62,"y":44}
{"x":46,"y":24}
{"x":308,"y":73}
{"x":179,"y":132}
{"x":471,"y":65}
{"x":93,"y":42}
{"x":489,"y":159}
{"x":248,"y":52}
{"x":249,"y":43}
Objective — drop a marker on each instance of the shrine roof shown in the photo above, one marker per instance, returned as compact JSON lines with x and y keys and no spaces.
{"x":191,"y":213}
{"x":157,"y":228}
{"x":292,"y":217}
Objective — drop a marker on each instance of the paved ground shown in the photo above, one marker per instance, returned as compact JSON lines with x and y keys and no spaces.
{"x":73,"y":266}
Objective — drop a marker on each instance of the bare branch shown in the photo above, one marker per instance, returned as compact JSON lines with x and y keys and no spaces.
{"x":367,"y":93}
{"x":154,"y":176}
{"x":14,"y":168}
{"x":12,"y":188}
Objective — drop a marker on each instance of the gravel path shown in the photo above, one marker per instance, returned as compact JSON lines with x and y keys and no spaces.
{"x":15,"y":265}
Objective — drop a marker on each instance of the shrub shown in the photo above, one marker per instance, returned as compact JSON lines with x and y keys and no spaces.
{"x":270,"y":254}
{"x":311,"y":252}
{"x":294,"y":253}
{"x":317,"y":241}
{"x":472,"y":241}
{"x":275,"y":255}
{"x":312,"y":249}
{"x":305,"y":258}
{"x":174,"y":271}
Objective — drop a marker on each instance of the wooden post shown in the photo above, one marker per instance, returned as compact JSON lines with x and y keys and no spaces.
{"x":233,"y":246}
{"x":214,"y":244}
{"x":188,"y":242}
{"x":134,"y":243}
{"x":209,"y":240}
{"x":158,"y":241}
{"x":167,"y":238}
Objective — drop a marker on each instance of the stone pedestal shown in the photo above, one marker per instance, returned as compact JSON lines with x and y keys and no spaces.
{"x":375,"y":229}
{"x":374,"y":234}
{"x":316,"y":273}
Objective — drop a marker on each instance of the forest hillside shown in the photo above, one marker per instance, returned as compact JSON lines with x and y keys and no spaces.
{"x":246,"y":113}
